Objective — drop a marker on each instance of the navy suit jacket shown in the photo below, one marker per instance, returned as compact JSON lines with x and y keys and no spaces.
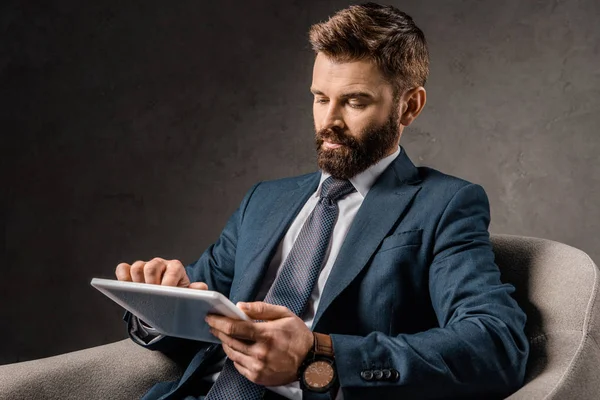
{"x":414,"y":287}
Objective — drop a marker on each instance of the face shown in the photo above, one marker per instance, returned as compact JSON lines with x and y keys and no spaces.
{"x":356,"y":116}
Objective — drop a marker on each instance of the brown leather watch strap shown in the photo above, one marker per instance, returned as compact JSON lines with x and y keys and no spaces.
{"x":323,"y":345}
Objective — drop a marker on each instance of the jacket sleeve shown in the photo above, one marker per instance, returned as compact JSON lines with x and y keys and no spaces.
{"x":479,"y":347}
{"x":215,"y":267}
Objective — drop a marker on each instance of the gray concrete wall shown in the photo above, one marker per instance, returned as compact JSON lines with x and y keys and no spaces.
{"x":133,"y":129}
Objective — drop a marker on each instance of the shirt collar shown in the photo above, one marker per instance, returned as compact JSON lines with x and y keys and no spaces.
{"x":362,"y":182}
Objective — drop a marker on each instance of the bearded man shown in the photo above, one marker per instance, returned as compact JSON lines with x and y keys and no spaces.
{"x":370,"y":277}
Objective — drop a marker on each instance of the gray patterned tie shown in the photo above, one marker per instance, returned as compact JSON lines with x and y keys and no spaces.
{"x":294,"y":282}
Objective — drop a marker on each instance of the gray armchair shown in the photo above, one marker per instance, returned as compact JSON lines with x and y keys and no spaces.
{"x":557,"y":285}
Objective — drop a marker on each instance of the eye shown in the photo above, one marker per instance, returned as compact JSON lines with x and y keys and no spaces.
{"x":321,"y":100}
{"x":356,"y":105}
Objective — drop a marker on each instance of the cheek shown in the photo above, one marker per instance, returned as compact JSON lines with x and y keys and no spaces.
{"x":317,"y":116}
{"x":357,"y":122}
{"x":356,"y":126}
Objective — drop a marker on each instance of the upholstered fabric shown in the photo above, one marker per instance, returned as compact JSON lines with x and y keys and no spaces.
{"x":557,"y":286}
{"x":120,"y":370}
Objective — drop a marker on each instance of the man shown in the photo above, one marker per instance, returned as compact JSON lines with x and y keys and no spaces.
{"x":388,"y":264}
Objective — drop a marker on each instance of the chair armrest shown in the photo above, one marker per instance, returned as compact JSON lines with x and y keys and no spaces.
{"x":120,"y":370}
{"x":562,"y":365}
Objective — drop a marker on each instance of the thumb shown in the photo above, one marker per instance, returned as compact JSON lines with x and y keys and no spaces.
{"x":198,"y":285}
{"x":264,"y":311}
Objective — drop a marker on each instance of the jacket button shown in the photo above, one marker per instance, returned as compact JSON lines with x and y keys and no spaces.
{"x":367,"y":375}
{"x":387,"y":374}
{"x":395,"y":375}
{"x":377,"y":374}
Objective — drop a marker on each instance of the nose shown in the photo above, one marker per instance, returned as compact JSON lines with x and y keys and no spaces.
{"x":333,"y":117}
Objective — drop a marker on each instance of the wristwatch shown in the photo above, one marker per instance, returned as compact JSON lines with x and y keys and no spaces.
{"x":317,"y":372}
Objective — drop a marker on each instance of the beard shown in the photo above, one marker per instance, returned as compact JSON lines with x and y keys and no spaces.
{"x":356,"y":153}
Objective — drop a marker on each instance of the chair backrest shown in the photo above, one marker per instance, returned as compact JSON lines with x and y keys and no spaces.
{"x":557,"y":286}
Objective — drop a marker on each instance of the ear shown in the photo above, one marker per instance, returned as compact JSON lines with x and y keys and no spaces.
{"x":412,"y":103}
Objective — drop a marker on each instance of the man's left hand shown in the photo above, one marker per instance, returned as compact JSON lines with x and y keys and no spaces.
{"x":268,"y":353}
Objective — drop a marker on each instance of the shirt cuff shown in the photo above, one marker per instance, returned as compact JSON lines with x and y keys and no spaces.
{"x":143,"y":333}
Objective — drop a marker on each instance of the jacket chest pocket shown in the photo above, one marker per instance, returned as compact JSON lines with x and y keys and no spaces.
{"x":401,"y":239}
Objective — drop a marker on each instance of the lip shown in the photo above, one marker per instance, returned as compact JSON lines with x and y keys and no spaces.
{"x":329,"y":145}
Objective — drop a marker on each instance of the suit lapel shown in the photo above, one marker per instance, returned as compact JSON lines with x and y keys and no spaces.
{"x":284,"y":210}
{"x":385,"y":203}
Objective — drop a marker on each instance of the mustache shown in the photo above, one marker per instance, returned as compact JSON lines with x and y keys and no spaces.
{"x":334,"y":136}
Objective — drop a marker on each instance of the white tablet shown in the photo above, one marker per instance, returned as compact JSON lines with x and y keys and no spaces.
{"x":170,"y":310}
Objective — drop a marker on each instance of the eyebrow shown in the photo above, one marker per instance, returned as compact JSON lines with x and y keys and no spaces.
{"x":345,"y":95}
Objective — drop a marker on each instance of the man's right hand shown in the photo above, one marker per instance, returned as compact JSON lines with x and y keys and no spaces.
{"x":159,"y":272}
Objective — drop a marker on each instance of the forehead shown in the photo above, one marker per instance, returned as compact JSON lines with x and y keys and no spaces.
{"x":331,"y":76}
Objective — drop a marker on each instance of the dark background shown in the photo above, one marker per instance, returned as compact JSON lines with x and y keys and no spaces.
{"x":132,"y":130}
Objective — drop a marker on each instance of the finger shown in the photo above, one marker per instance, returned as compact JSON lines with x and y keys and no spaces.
{"x":137,"y":271}
{"x":174,"y":274}
{"x":247,"y":372}
{"x":122,"y":272}
{"x":245,"y":330}
{"x":246,"y":365}
{"x":256,"y":350}
{"x":154,"y":269}
{"x":237,"y":345}
{"x":198,"y":285}
{"x":264,"y":311}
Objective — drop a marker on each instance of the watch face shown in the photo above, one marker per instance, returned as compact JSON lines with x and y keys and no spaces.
{"x":318,"y":374}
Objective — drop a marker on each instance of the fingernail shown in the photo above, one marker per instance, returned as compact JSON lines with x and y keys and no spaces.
{"x":243,"y":306}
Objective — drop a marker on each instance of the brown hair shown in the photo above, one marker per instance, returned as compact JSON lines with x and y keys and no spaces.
{"x":379,"y":33}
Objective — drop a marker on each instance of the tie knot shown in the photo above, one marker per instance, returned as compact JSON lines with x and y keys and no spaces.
{"x":334,"y":189}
